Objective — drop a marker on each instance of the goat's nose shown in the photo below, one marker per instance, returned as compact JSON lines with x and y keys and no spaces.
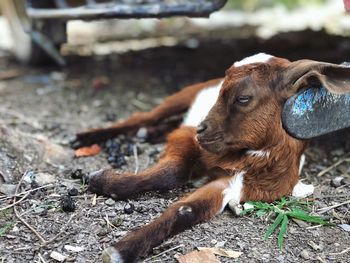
{"x":201,"y":127}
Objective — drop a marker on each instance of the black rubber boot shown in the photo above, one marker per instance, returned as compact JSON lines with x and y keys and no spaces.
{"x":316,"y":111}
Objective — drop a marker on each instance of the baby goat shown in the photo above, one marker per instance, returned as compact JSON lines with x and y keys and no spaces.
{"x":232,"y":136}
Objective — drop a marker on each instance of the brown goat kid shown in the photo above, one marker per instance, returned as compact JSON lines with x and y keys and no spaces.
{"x":231,"y":136}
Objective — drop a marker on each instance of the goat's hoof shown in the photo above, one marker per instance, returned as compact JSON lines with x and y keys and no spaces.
{"x":94,"y":175}
{"x":111,"y":255}
{"x":235,"y":208}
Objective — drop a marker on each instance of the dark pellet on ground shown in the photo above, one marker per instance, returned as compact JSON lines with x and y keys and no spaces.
{"x":118,"y":161}
{"x":67,"y":204}
{"x":110,"y":116}
{"x":129,"y":208}
{"x":77,"y":174}
{"x":73,"y":191}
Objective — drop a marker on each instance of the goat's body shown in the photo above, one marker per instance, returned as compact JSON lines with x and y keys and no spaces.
{"x":242,"y":152}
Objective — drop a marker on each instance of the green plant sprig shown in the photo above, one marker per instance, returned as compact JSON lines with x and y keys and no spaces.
{"x":284,"y":210}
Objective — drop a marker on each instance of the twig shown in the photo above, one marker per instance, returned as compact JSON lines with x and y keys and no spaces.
{"x":136,"y":159}
{"x":323,"y":172}
{"x":313,"y":227}
{"x":161,"y":253}
{"x":109,"y":222}
{"x":27,"y":192}
{"x":41,"y":258}
{"x":341,"y":252}
{"x":325,"y":209}
{"x":14,"y":203}
{"x":42,"y":240}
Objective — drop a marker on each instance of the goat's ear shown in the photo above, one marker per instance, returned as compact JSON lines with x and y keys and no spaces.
{"x":308,"y":73}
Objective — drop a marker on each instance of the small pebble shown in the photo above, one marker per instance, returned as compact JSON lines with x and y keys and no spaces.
{"x":129,"y":208}
{"x":67,"y":204}
{"x":73,"y":191}
{"x":109,"y":202}
{"x":304,"y":254}
{"x":118,"y":221}
{"x":337,"y":181}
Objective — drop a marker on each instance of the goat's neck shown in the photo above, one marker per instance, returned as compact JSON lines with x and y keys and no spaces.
{"x":274,"y":173}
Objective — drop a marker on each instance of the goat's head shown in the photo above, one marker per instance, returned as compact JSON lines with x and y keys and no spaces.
{"x":247,"y":114}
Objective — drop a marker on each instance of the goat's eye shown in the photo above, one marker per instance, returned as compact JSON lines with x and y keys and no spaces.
{"x":243,"y":99}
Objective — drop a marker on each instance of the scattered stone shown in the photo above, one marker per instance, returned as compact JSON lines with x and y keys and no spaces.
{"x":142,"y":134}
{"x":118,"y":221}
{"x":57,"y":256}
{"x":8,"y":189}
{"x":213,"y":241}
{"x":67,"y":204}
{"x":337,"y":181}
{"x":109,"y":202}
{"x":102,"y":231}
{"x":220,"y":244}
{"x":73,"y":191}
{"x":38,"y":178}
{"x":304,"y":254}
{"x":345,"y":227}
{"x":73,"y":248}
{"x":129,"y":208}
{"x":300,"y":223}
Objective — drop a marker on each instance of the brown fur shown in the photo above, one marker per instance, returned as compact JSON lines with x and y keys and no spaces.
{"x":220,"y":149}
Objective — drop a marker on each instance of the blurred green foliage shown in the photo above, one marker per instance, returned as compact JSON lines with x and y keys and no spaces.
{"x":252,"y":5}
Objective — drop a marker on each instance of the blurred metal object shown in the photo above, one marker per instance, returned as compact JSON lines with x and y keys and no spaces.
{"x":126,"y":9}
{"x":47,"y":45}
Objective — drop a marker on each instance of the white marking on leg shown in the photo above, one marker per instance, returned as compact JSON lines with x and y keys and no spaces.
{"x":202,"y":104}
{"x":111,"y":255}
{"x":258,"y":58}
{"x":302,"y":190}
{"x":233,"y":192}
{"x":302,"y":162}
{"x":185,"y":209}
{"x":258,"y":153}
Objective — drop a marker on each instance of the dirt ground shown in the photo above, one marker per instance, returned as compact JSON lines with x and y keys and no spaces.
{"x":57,"y":103}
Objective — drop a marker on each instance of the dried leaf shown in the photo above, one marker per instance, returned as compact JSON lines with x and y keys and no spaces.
{"x":204,"y":256}
{"x":221,"y":252}
{"x":88,"y":151}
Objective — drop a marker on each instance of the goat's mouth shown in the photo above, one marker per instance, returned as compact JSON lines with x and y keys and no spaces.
{"x":210,"y":143}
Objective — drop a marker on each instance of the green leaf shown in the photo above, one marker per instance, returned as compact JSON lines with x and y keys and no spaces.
{"x":272,"y":228}
{"x":302,"y":215}
{"x":246,"y":211}
{"x":6,"y":228}
{"x":283,"y":231}
{"x":261,"y":212}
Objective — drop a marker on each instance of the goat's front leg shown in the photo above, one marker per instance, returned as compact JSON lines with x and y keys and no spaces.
{"x":200,"y":206}
{"x":173,"y":170}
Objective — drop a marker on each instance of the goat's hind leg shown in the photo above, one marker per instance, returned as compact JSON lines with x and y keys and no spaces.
{"x":173,"y":170}
{"x":200,"y":206}
{"x":173,"y":105}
